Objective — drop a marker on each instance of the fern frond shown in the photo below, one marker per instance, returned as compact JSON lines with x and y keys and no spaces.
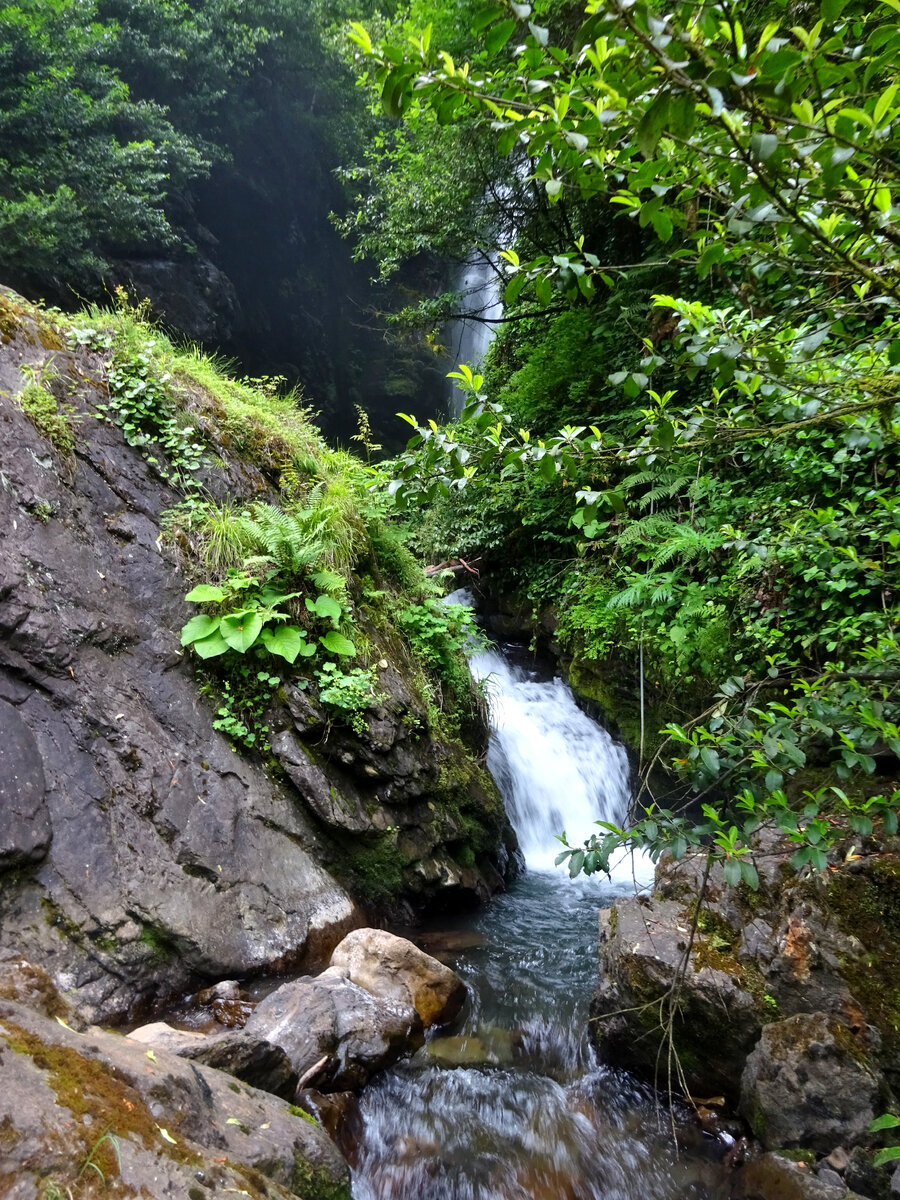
{"x":630,"y":597}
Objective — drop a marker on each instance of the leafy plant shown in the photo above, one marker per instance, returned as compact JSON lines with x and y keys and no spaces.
{"x":240,"y":628}
{"x":256,"y":618}
{"x":348,"y":693}
{"x":889,"y":1153}
{"x":240,"y":716}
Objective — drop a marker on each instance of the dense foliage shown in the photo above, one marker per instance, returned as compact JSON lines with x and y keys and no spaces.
{"x":190,"y":151}
{"x":723,"y":507}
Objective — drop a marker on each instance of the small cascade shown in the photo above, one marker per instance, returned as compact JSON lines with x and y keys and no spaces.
{"x":557,"y":770}
{"x":513,"y":1105}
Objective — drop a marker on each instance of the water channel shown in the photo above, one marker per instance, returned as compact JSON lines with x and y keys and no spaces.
{"x":514,"y":1105}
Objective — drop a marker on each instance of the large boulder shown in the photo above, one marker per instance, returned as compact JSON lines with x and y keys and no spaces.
{"x":784,"y":1000}
{"x":394,"y":969}
{"x":643,"y":943}
{"x":335,"y":1034}
{"x":810,"y":1082}
{"x":153,"y":1124}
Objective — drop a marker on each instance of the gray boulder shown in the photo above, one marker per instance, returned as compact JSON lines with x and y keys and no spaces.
{"x":154,"y":1124}
{"x":717,"y":1022}
{"x":335,"y":1034}
{"x":810,"y":1083}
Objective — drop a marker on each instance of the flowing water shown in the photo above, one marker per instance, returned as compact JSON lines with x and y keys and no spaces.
{"x":479,"y":283}
{"x":513,"y":1105}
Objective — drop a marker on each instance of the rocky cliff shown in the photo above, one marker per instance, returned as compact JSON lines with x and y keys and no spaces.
{"x":164,"y":817}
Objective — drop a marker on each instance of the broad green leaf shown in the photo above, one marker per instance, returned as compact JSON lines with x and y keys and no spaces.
{"x":336,"y":643}
{"x":499,"y":35}
{"x":763,"y":145}
{"x":325,"y":606}
{"x":514,"y":288}
{"x":198,"y":627}
{"x":205,"y":593}
{"x":888,"y":1154}
{"x":885,"y":1121}
{"x":212,"y":646}
{"x":287,"y":641}
{"x":652,"y":125}
{"x":240,"y":630}
{"x":750,"y":874}
{"x":732,"y":869}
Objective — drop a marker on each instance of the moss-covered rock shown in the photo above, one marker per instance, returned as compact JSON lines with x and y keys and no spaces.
{"x":81,"y":1108}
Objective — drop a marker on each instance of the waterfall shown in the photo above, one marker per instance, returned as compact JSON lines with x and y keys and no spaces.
{"x":480,"y":285}
{"x":513,"y":1105}
{"x":557,"y":770}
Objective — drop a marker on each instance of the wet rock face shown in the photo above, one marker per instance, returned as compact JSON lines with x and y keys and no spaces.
{"x":191,"y":295}
{"x":24,"y":818}
{"x":787,"y":1006}
{"x":810,"y":1082}
{"x":178,"y":1126}
{"x":139,"y":854}
{"x":439,"y":822}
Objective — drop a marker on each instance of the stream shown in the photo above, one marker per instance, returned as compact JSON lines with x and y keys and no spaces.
{"x":514,"y":1105}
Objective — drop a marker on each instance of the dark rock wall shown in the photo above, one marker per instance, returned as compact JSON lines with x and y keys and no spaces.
{"x":138,"y":850}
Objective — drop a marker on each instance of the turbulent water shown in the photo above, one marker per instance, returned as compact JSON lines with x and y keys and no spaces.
{"x":514,"y":1106}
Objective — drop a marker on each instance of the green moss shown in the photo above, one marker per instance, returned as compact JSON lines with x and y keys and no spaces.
{"x":87,"y":1087}
{"x":867,"y":906}
{"x":13,"y":316}
{"x":312,"y":1183}
{"x":296,"y":1111}
{"x":373,"y":868}
{"x":799,"y":1155}
{"x":57,"y":919}
{"x":618,"y":708}
{"x":42,"y":409}
{"x":158,"y":941}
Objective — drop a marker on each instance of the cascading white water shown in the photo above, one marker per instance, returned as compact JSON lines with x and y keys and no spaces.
{"x":558,"y":770}
{"x":513,"y":1105}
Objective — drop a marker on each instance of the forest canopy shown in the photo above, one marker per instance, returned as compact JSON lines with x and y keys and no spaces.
{"x":721,"y":512}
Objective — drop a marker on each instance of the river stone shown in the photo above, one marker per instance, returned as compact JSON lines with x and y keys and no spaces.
{"x":331,"y":1018}
{"x":177,"y":1124}
{"x":162,"y":1036}
{"x":24,"y":817}
{"x":809,"y":1083}
{"x":394,"y":969}
{"x":770,"y":1177}
{"x":250,"y":1059}
{"x":642,"y":946}
{"x":490,"y":1050}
